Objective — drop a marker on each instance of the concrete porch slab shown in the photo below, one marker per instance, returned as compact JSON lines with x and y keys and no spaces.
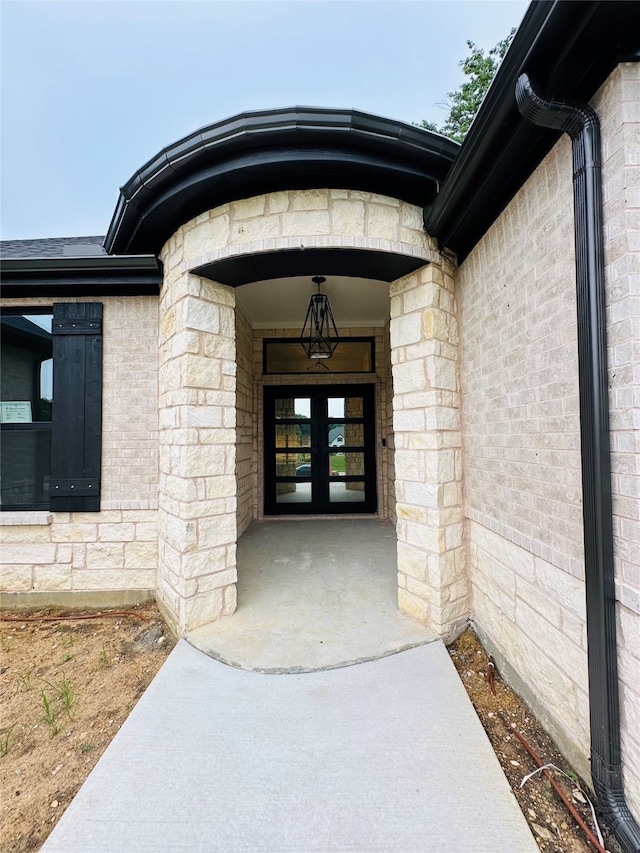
{"x":313,"y":594}
{"x":384,"y":756}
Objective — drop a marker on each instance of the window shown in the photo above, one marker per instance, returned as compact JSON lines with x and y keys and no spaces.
{"x":26,"y":396}
{"x":51,"y":408}
{"x":286,"y":355}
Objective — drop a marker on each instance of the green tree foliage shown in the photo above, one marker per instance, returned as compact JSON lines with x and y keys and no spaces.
{"x":464,"y":103}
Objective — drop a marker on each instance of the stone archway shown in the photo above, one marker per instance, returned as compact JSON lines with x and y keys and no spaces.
{"x":201,"y":397}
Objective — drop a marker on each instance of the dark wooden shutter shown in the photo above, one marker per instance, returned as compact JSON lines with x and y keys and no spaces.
{"x":76,"y":432}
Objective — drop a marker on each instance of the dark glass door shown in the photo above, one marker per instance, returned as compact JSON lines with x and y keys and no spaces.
{"x":319,"y":449}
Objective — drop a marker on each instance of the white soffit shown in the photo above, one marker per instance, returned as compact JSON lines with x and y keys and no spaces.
{"x":282,"y":303}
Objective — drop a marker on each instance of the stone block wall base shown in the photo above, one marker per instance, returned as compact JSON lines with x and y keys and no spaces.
{"x":574,"y":754}
{"x":191,"y":613}
{"x":435,"y":617}
{"x":76,"y":599}
{"x":411,"y":605}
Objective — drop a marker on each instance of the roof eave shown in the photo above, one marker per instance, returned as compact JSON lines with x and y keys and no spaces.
{"x":502,"y":149}
{"x":98,"y":275}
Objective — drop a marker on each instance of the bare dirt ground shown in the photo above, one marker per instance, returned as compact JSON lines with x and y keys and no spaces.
{"x":504,"y":714}
{"x":67,"y":686}
{"x":65,"y":689}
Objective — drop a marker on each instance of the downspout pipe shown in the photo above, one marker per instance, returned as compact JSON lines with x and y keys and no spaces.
{"x":581,"y":122}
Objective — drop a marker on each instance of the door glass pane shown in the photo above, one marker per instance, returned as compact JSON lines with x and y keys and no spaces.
{"x":25,"y":459}
{"x":335,"y":407}
{"x":346,"y":492}
{"x":293,"y":493}
{"x":287,"y":465}
{"x":293,"y":407}
{"x":335,"y":435}
{"x":345,"y":407}
{"x":349,"y":464}
{"x":293,"y":435}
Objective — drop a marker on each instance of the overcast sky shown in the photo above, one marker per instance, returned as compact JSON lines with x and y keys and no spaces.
{"x":92,"y":90}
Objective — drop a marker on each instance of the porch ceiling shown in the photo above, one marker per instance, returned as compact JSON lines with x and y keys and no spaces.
{"x":282,"y":303}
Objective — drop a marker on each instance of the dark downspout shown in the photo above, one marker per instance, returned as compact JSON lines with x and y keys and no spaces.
{"x":580,"y":121}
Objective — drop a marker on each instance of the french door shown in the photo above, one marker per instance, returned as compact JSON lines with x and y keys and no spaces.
{"x":319,"y":449}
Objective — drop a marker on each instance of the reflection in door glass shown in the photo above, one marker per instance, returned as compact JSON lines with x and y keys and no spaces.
{"x":351,"y":464}
{"x":335,"y":407}
{"x":345,"y":407}
{"x":293,"y":493}
{"x":293,"y":435}
{"x":293,"y":465}
{"x":346,"y":492}
{"x":293,"y":407}
{"x":335,"y":435}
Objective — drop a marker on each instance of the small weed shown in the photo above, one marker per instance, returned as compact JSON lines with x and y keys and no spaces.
{"x":5,"y":642}
{"x":66,"y":639}
{"x":50,"y":716}
{"x":67,"y":657}
{"x":24,"y":680}
{"x":87,"y":748}
{"x":68,"y":695}
{"x":105,"y":660}
{"x":65,"y":693}
{"x":5,"y":735}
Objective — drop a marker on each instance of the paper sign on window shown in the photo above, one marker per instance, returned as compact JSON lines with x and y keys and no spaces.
{"x":17,"y":412}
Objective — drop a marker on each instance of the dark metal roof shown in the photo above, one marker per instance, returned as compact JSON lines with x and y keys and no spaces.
{"x":569,"y":49}
{"x":52,"y":247}
{"x":259,"y":152}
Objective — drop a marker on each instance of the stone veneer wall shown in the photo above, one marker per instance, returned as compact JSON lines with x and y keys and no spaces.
{"x":521,"y":431}
{"x":197,"y":518}
{"x":246,"y":424}
{"x":114,"y":550}
{"x":198,"y":488}
{"x":428,"y":461}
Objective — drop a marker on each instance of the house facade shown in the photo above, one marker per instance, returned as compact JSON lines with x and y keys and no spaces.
{"x":463,"y":405}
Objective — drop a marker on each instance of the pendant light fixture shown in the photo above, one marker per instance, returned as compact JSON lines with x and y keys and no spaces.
{"x":319,"y":336}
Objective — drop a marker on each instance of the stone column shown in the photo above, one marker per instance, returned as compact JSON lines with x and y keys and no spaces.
{"x":197,"y":502}
{"x":428,"y":458}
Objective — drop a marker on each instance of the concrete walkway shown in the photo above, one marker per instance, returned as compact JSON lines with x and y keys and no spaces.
{"x":341,"y":726}
{"x":382,"y":756}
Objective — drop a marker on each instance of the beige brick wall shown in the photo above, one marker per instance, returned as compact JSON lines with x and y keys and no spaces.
{"x":521,"y":435}
{"x":246,"y":424}
{"x":387,"y":457}
{"x":618,"y":105}
{"x":115,"y":549}
{"x":521,"y":430}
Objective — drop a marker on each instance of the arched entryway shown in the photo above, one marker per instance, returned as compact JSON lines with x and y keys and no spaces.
{"x":413,"y":441}
{"x":334,"y":194}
